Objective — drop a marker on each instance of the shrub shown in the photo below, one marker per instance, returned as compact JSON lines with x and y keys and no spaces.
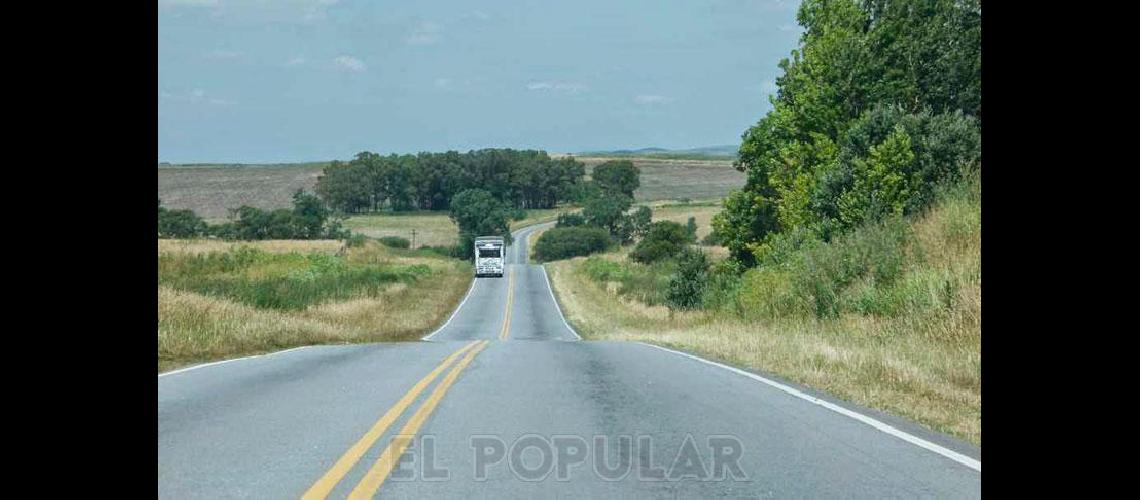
{"x":180,"y":224}
{"x":355,"y":240}
{"x":665,"y":239}
{"x":566,"y":242}
{"x":687,"y":286}
{"x":394,"y":241}
{"x":712,"y":239}
{"x":570,"y":220}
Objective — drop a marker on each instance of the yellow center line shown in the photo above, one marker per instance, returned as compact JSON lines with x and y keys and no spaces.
{"x":376,"y":475}
{"x":506,"y":332}
{"x":326,"y":483}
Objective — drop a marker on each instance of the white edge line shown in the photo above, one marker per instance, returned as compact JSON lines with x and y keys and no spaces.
{"x":224,"y":361}
{"x":556,"y":306}
{"x":456,"y":311}
{"x":951,"y":454}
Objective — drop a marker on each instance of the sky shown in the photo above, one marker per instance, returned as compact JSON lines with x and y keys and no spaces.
{"x":262,"y":81}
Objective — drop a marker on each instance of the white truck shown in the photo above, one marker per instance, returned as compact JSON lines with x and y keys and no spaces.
{"x":489,"y":256}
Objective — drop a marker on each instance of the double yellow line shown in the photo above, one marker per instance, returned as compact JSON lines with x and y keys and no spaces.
{"x":506,"y":331}
{"x":383,"y":466}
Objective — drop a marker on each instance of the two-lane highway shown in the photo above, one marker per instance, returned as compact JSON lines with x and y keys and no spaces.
{"x":503,"y":401}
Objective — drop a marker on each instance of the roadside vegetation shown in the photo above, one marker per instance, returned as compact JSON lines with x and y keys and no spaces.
{"x":220,"y":300}
{"x":887,"y":316}
{"x":850,"y":259}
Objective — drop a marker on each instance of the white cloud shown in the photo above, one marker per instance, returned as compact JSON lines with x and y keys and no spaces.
{"x":427,"y":33}
{"x":443,"y":83}
{"x":198,"y":93}
{"x":481,"y":15}
{"x":649,"y":99}
{"x":296,"y":61}
{"x":560,"y":87}
{"x":350,"y":63}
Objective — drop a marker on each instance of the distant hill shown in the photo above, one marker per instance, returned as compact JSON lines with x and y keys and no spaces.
{"x":725,"y":151}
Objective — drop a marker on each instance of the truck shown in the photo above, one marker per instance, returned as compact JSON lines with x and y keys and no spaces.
{"x":489,"y":256}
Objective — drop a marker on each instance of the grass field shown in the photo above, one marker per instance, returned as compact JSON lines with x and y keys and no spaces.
{"x":224,"y":300}
{"x":211,"y":190}
{"x":432,"y":228}
{"x":910,"y":347}
{"x":665,"y":179}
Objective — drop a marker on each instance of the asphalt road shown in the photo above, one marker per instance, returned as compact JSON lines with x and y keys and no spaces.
{"x":505,"y":401}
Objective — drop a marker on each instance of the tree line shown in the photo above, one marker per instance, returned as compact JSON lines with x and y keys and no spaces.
{"x":879,"y":104}
{"x":309,"y":219}
{"x":520,"y":179}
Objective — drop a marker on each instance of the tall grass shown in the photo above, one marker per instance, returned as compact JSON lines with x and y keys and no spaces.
{"x":887,"y":315}
{"x":280,"y":281}
{"x":215,"y":305}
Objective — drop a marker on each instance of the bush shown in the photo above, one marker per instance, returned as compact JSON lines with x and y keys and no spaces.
{"x":570,"y":220}
{"x":647,"y":284}
{"x":691,"y":228}
{"x":711,"y":240}
{"x":394,"y":241}
{"x":665,"y":239}
{"x":355,"y":240}
{"x":687,"y":286}
{"x":180,"y":224}
{"x":566,"y":242}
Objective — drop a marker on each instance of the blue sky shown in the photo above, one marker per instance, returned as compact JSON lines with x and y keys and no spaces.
{"x":309,"y":80}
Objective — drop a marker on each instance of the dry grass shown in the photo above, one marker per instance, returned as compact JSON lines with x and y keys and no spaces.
{"x":680,"y":213}
{"x":922,"y":365}
{"x":212,"y":190}
{"x":195,"y":328}
{"x":432,"y":228}
{"x":664,"y":179}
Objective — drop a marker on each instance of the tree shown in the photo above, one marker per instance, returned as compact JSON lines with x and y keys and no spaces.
{"x":664,"y":240}
{"x":821,"y":158}
{"x":881,"y":186}
{"x":687,"y":286}
{"x":309,"y":215}
{"x":606,"y":210}
{"x":179,"y":223}
{"x":617,"y":176}
{"x":572,"y":241}
{"x":691,"y":228}
{"x":478,"y":213}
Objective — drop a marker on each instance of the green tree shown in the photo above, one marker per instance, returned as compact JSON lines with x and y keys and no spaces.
{"x":617,"y":176}
{"x":687,"y":286}
{"x":606,"y":210}
{"x":478,"y":213}
{"x":861,"y":69}
{"x":665,"y":239}
{"x":179,"y":223}
{"x":881,"y":186}
{"x":309,"y":215}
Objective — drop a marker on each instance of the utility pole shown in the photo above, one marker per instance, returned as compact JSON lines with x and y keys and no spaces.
{"x":413,"y":239}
